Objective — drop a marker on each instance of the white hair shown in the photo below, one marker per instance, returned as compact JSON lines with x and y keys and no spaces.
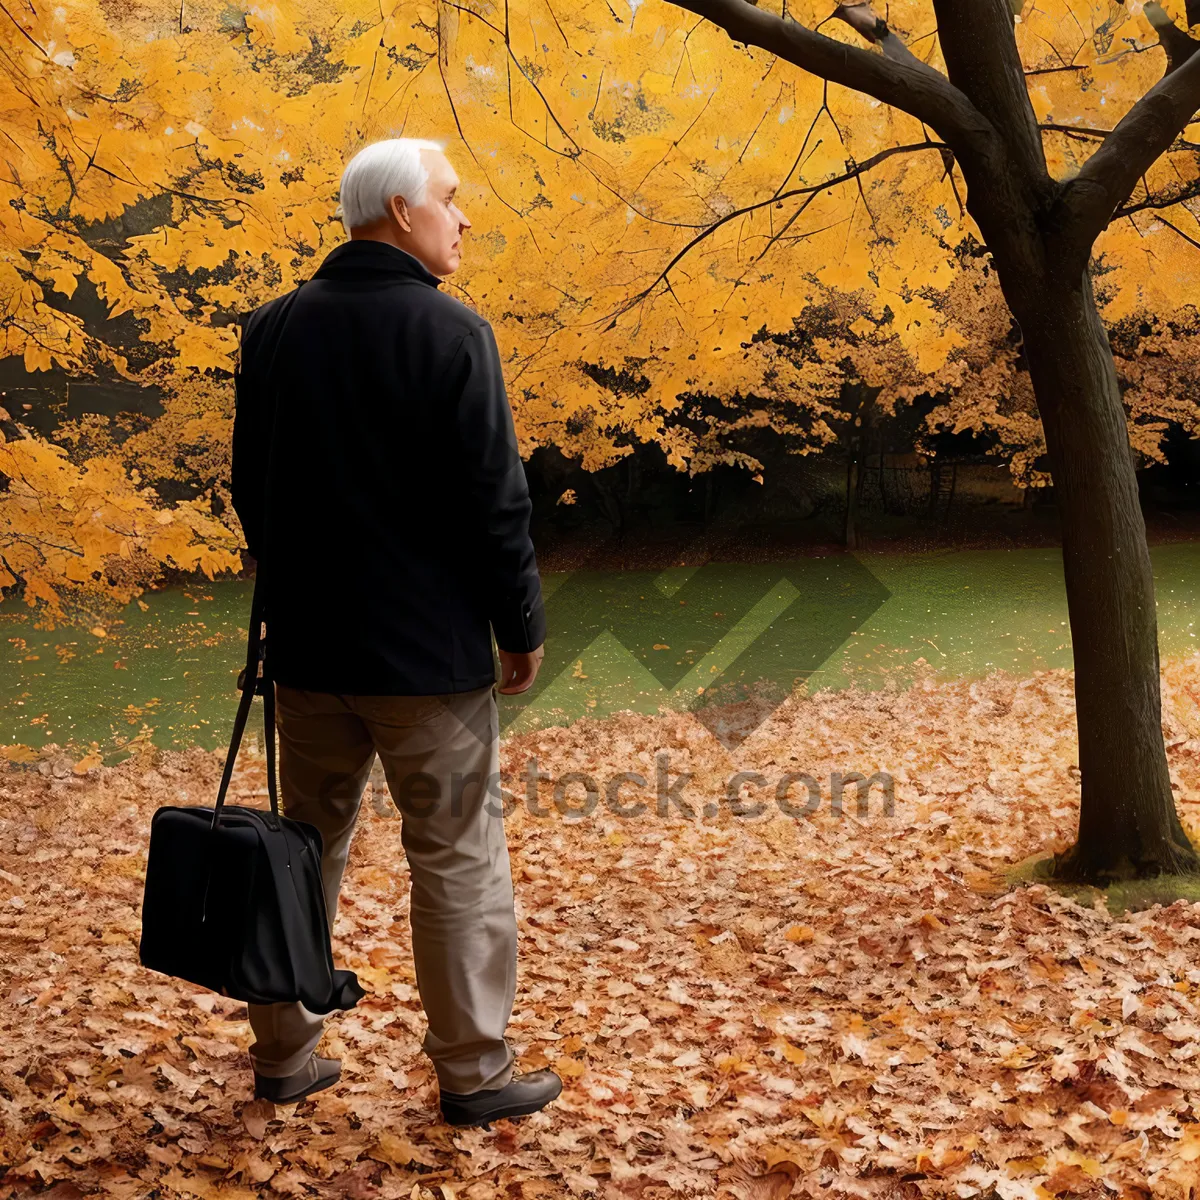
{"x":380,"y":171}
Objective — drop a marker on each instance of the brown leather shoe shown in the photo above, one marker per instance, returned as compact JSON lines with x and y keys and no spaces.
{"x":316,"y":1074}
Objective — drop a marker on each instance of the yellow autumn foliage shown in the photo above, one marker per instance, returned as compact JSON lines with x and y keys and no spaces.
{"x":651,"y":203}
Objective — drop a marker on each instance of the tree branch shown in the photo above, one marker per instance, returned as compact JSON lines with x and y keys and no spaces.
{"x":1178,"y":46}
{"x":1146,"y":132}
{"x":1055,"y":70}
{"x":1079,"y":131}
{"x":862,"y":19}
{"x":980,"y":49}
{"x":809,"y":191}
{"x":905,"y":83}
{"x":1187,"y":237}
{"x":1168,"y":199}
{"x":1000,"y":197}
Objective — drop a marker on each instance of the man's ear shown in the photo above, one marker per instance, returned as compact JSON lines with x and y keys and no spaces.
{"x":399,"y":209}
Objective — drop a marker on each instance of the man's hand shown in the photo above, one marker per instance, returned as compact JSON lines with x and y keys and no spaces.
{"x":518,"y":671}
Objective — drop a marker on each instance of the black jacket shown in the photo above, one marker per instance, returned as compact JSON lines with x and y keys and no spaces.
{"x":393,"y":526}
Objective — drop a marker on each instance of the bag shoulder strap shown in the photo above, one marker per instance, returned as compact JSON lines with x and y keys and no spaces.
{"x":256,"y":642}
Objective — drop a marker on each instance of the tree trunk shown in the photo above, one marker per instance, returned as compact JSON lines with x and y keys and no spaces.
{"x":850,"y":529}
{"x":1128,"y":825}
{"x":610,"y":504}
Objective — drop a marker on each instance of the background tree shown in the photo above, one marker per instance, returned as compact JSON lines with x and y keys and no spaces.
{"x":168,"y":167}
{"x":1040,"y":231}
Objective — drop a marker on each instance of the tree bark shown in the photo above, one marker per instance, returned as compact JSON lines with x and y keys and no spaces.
{"x":950,"y":498}
{"x":610,"y":504}
{"x":850,"y":527}
{"x":710,"y":497}
{"x":1128,"y":826}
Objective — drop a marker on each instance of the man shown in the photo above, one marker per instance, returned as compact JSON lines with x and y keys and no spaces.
{"x":379,"y":485}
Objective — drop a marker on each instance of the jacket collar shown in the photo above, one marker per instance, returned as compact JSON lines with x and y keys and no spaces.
{"x":365,"y":256}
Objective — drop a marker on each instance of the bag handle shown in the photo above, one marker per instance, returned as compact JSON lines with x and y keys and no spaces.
{"x":256,"y":643}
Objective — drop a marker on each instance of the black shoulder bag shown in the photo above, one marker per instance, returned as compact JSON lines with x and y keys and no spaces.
{"x":233,"y":898}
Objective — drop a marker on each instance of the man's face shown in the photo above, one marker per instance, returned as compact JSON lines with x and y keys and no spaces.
{"x":437,"y":225}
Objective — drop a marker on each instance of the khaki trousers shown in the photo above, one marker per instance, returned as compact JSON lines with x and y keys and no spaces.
{"x":441,"y":758}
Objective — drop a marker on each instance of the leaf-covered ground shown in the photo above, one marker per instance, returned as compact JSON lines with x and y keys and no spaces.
{"x":745,"y":1006}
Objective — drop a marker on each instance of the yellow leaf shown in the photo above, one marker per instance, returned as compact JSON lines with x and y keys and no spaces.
{"x":793,"y":1054}
{"x":728,"y":1063}
{"x":1019,"y":1058}
{"x":657,"y":82}
{"x":398,"y":1151}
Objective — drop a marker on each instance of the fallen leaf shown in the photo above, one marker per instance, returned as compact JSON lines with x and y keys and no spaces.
{"x":255,"y":1116}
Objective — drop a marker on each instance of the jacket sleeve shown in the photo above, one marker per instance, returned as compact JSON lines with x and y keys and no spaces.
{"x":251,"y":434}
{"x":496,"y":495}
